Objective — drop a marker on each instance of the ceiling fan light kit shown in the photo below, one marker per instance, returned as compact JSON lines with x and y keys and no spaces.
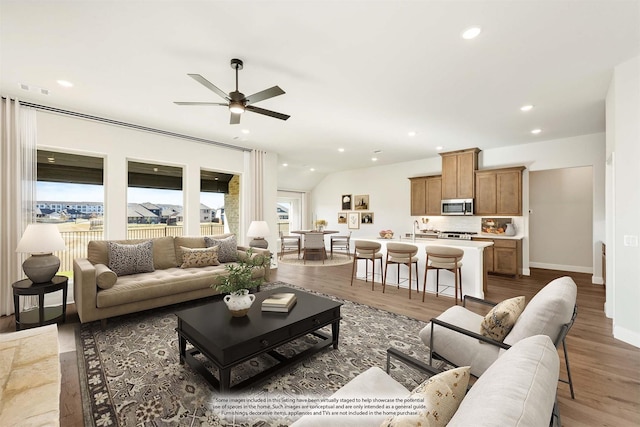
{"x":236,"y":101}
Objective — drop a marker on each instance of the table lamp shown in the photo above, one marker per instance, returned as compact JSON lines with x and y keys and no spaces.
{"x":258,"y":230}
{"x":40,"y":240}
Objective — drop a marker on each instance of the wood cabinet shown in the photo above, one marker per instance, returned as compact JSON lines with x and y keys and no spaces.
{"x":458,"y":167}
{"x":499,"y":191}
{"x":426,"y":193}
{"x":504,"y":257}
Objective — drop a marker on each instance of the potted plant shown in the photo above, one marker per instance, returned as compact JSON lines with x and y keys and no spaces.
{"x":239,"y":280}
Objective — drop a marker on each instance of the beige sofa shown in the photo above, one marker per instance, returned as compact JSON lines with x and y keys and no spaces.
{"x":167,"y":284}
{"x":518,"y":389}
{"x":30,"y":377}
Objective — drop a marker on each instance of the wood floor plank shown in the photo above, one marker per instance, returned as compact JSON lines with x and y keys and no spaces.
{"x":606,"y":371}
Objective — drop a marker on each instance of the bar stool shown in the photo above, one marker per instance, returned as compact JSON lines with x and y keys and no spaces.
{"x":368,"y":251}
{"x":401,"y":254}
{"x":444,"y":258}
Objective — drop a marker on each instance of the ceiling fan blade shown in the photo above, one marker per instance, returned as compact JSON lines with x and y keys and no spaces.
{"x":266,"y":112}
{"x":200,"y":103}
{"x":235,"y":119}
{"x":265,"y":94}
{"x":206,"y":83}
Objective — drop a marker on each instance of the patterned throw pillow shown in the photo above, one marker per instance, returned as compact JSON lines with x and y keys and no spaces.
{"x":199,"y":257}
{"x":131,"y":259}
{"x":228,"y":248}
{"x":499,"y":321}
{"x":442,"y":395}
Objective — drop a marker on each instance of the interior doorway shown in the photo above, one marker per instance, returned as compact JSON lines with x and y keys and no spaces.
{"x":290,"y":211}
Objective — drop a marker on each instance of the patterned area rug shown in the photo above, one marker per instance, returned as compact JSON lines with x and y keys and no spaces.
{"x":133,"y":376}
{"x":338,"y":259}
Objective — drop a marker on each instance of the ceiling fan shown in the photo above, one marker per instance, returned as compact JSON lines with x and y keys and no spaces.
{"x":237,"y":102}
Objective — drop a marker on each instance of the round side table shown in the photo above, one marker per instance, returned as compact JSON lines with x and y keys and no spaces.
{"x":42,"y":315}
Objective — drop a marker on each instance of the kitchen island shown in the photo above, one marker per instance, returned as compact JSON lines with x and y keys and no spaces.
{"x":473,"y":267}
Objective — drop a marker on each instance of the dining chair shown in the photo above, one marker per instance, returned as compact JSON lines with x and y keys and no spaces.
{"x":401,"y":254}
{"x":341,"y":242}
{"x":367,"y":251}
{"x":444,"y":258}
{"x":289,"y":243}
{"x":314,"y":243}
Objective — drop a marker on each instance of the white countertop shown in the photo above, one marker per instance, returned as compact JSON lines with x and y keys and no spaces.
{"x":498,"y":236}
{"x":455,"y":243}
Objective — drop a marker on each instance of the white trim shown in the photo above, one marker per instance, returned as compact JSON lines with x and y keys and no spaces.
{"x":627,"y":336}
{"x":597,"y":280}
{"x":572,"y":268}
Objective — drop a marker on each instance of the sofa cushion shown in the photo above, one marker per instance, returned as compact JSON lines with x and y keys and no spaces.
{"x":547,"y":311}
{"x":130,"y":259}
{"x":164,"y":253}
{"x":442,"y":394}
{"x":228,"y":251}
{"x":199,"y":257}
{"x":501,"y":318}
{"x":519,"y":389}
{"x":455,"y":346}
{"x":105,"y":277}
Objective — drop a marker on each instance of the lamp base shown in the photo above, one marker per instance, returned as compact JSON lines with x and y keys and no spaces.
{"x":259,"y":242}
{"x":41,"y":268}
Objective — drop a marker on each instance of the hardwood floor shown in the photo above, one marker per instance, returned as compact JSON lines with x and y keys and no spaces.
{"x":606,"y":371}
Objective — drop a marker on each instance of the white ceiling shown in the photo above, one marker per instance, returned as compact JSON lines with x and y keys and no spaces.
{"x":358,"y":75}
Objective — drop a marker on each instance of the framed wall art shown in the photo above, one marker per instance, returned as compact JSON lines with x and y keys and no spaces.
{"x":366,"y":217}
{"x":346,"y":202}
{"x":353,"y":220}
{"x":342,"y":217}
{"x":361,"y":202}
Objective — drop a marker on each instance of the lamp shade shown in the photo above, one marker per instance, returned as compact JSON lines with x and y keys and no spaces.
{"x":41,"y":239}
{"x":258,"y":229}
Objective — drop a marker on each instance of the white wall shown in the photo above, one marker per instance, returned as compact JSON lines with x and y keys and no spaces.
{"x":623,"y":258}
{"x":561,"y":240}
{"x":389,"y":190}
{"x":118,"y":145}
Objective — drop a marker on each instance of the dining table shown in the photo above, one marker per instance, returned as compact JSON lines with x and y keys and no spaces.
{"x":324,"y":231}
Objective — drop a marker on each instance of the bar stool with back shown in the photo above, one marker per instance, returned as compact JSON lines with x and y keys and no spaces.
{"x":368,"y":251}
{"x":444,"y":258}
{"x":401,"y":254}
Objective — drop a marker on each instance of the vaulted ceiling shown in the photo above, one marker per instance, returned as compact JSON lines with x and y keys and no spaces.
{"x":358,"y":76}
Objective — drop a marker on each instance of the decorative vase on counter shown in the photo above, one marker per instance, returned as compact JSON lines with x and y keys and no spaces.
{"x":510,"y":230}
{"x":239,"y":302}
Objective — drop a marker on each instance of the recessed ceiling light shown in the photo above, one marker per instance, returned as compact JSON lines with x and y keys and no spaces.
{"x":527,"y":107}
{"x":312,"y":169}
{"x":471,"y":33}
{"x":285,"y":164}
{"x":439,"y":147}
{"x":245,"y":131}
{"x":536,"y":131}
{"x":412,"y":133}
{"x":374,"y":159}
{"x":341,"y":150}
{"x":65,"y":83}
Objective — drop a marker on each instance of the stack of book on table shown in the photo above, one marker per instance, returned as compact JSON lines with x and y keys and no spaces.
{"x":281,"y":302}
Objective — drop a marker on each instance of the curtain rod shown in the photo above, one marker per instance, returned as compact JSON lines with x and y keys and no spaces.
{"x":131,"y":125}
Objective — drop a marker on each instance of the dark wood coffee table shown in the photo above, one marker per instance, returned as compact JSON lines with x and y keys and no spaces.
{"x":227,"y":341}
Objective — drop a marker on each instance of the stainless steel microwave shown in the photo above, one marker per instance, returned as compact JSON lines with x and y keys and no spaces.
{"x":457,"y":207}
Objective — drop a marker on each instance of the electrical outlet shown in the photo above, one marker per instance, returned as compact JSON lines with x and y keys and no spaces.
{"x":631,"y":240}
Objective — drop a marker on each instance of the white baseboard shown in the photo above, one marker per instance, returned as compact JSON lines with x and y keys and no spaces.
{"x":630,"y":337}
{"x":597,"y":280}
{"x":561,"y":267}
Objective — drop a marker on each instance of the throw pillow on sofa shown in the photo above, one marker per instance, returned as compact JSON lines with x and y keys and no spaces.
{"x":105,"y":277}
{"x":131,"y":259}
{"x":498,"y":322}
{"x":199,"y":257}
{"x":442,"y":395}
{"x":228,"y":248}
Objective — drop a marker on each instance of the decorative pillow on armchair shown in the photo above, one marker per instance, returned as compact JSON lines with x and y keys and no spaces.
{"x":131,"y":259}
{"x":442,"y":395}
{"x":499,"y":321}
{"x":199,"y":257}
{"x":228,"y":248}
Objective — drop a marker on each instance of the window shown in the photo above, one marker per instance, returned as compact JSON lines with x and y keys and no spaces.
{"x":214,"y":191}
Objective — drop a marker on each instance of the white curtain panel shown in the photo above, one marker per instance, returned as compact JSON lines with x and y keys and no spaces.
{"x":17,"y":191}
{"x":257,"y":185}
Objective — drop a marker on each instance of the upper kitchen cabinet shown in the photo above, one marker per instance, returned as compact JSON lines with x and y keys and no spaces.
{"x":499,"y":191}
{"x":458,"y":169}
{"x":426,"y":193}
